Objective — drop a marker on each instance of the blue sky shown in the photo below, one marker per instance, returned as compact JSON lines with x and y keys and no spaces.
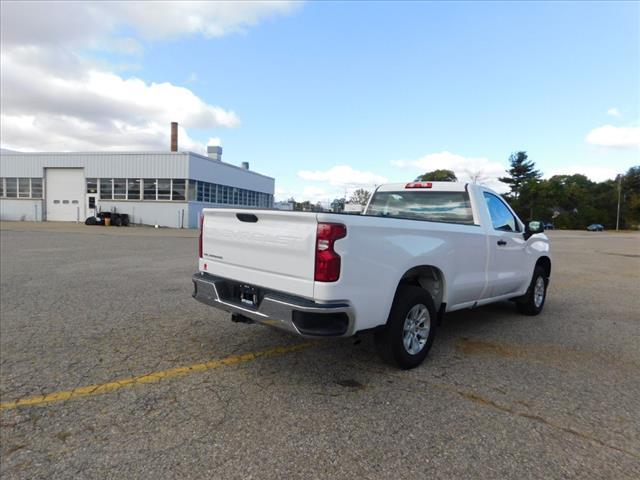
{"x":332,"y":95}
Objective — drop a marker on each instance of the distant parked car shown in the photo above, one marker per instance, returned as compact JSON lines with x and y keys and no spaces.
{"x":549,"y":226}
{"x":596,"y":227}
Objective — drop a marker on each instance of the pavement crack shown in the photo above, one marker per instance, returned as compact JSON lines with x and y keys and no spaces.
{"x":479,"y":399}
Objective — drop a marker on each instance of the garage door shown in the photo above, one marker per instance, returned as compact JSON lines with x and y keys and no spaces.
{"x":65,"y":194}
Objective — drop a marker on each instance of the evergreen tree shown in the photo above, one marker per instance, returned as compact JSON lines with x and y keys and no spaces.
{"x":522,"y":174}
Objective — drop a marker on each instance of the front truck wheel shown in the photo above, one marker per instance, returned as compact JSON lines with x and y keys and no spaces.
{"x":531,"y":303}
{"x":410,"y":329}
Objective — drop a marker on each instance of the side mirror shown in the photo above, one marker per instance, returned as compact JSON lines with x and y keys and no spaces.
{"x":533,"y":227}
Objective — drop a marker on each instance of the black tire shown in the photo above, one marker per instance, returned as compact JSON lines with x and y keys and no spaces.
{"x":527,"y":304}
{"x":390,"y":341}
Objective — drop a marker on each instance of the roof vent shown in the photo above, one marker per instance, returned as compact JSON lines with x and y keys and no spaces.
{"x":245,"y":165}
{"x":214,"y":152}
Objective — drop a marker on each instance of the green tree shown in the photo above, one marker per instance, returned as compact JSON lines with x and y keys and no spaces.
{"x":338,"y":205}
{"x":574,"y":201}
{"x":521,"y":175}
{"x":630,"y":208}
{"x":440,"y":175}
{"x":360,"y":196}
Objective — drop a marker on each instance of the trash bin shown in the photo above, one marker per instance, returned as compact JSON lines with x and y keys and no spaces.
{"x":107,"y":221}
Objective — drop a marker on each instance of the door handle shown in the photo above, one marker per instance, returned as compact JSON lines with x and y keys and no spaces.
{"x":502,"y":243}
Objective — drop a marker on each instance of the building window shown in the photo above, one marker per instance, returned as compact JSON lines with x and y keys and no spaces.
{"x":92,"y":185}
{"x":192,"y":190}
{"x":214,"y":193}
{"x":106,"y":188}
{"x":133,"y":189}
{"x":24,"y":188}
{"x":11,"y":187}
{"x":119,"y":188}
{"x":149,"y":188}
{"x":225,"y":194}
{"x":36,"y":188}
{"x":177,"y":189}
{"x":200,"y":191}
{"x":164,"y":189}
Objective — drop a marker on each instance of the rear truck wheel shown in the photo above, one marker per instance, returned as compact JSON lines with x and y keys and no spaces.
{"x":406,"y":339}
{"x":531,"y":303}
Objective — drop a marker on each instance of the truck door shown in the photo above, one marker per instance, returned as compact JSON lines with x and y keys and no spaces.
{"x":507,"y":256}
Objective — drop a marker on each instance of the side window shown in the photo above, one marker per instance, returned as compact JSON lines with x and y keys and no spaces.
{"x":501,"y":216}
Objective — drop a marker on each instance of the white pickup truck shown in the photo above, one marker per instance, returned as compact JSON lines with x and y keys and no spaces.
{"x":417,"y":251}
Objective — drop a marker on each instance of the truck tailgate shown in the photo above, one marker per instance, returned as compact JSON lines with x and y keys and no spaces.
{"x":273,"y":249}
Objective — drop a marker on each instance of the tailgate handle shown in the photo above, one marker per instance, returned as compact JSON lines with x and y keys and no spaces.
{"x":247,"y":217}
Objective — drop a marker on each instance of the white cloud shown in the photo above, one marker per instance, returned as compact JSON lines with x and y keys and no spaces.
{"x":314,"y":194}
{"x":343,"y":175}
{"x":59,"y":133}
{"x":324,"y":194}
{"x":91,"y":109}
{"x":595,"y":174}
{"x":480,"y":169}
{"x":614,"y":112}
{"x":616,"y":137}
{"x":92,"y":24}
{"x":336,"y":182}
{"x":301,"y":193}
{"x":55,"y":98}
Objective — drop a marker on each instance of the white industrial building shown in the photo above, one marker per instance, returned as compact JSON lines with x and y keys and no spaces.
{"x":154,"y":188}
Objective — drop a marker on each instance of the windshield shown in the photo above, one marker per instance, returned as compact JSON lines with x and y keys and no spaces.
{"x":453,"y":207}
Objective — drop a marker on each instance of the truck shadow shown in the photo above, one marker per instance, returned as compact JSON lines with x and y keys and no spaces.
{"x":483,"y":320}
{"x":346,"y":357}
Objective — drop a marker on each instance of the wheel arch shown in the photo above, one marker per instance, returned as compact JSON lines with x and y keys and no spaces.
{"x":545,"y":263}
{"x":428,"y":277}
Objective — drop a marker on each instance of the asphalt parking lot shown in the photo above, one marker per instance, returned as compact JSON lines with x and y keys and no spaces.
{"x":109,"y":369}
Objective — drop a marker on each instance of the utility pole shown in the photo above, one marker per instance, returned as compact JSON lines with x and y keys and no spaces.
{"x":618,"y":214}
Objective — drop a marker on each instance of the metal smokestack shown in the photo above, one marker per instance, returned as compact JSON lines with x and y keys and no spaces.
{"x":174,"y":136}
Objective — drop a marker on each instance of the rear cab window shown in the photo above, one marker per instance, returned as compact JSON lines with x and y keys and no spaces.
{"x":432,"y":206}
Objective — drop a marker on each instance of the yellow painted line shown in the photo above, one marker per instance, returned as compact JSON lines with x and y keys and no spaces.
{"x":149,"y":377}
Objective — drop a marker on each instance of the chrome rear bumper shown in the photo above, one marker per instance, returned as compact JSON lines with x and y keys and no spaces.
{"x":294,"y":314}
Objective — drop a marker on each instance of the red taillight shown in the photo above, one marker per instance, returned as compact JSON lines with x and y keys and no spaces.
{"x":200,"y":237}
{"x":327,"y":260}
{"x":419,"y":185}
